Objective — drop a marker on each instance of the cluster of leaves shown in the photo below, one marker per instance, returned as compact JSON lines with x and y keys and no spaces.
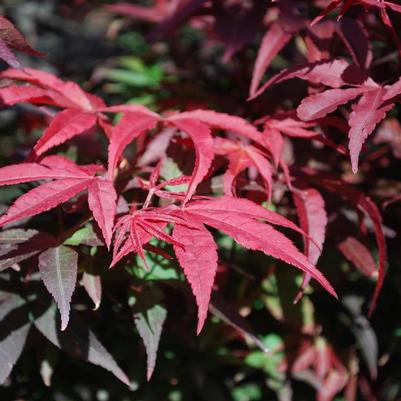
{"x":175,"y":186}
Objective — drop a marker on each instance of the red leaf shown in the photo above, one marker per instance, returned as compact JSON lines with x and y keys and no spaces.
{"x":58,"y":268}
{"x":43,"y":198}
{"x":263,"y":166}
{"x":241,"y":207}
{"x":224,"y":122}
{"x":198,"y":258}
{"x":366,"y":114}
{"x":152,"y":14}
{"x":64,"y":126}
{"x":359,"y":256}
{"x":255,"y":235}
{"x":362,"y":202}
{"x":329,"y":73}
{"x":203,"y":142}
{"x":102,"y":199}
{"x":237,"y":163}
{"x":129,"y":128}
{"x":313,"y":220}
{"x":11,"y":37}
{"x":26,"y":172}
{"x":275,"y":142}
{"x":273,"y":41}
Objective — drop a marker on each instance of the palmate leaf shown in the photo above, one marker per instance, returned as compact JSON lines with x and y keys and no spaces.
{"x":43,"y":198}
{"x":366,"y":114}
{"x":273,"y":42}
{"x":131,"y":126}
{"x":70,"y":180}
{"x":102,"y":200}
{"x":365,"y":204}
{"x":312,"y":216}
{"x":252,"y":234}
{"x":64,"y":126}
{"x":203,"y":142}
{"x":198,"y":258}
{"x":58,"y":268}
{"x":222,"y":121}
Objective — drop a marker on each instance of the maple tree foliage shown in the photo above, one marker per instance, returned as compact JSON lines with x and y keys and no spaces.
{"x":177,"y":183}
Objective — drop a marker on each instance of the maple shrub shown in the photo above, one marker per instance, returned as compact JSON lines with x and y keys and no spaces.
{"x":265,"y":134}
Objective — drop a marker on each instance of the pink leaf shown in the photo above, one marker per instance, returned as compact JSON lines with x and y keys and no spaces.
{"x":64,"y":126}
{"x":58,"y":268}
{"x":392,"y":90}
{"x":273,"y":41}
{"x":275,"y":142}
{"x":102,"y":199}
{"x":11,"y":95}
{"x":366,"y":114}
{"x":11,"y":37}
{"x":203,"y":142}
{"x":198,"y":259}
{"x":263,"y":166}
{"x":93,"y":286}
{"x":319,"y":105}
{"x":359,"y":256}
{"x":129,"y":128}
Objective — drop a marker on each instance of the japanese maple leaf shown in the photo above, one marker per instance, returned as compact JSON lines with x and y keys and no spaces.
{"x":363,"y":203}
{"x":286,"y":124}
{"x":197,"y":124}
{"x":156,"y":13}
{"x":313,"y":220}
{"x":346,"y":83}
{"x":64,"y":180}
{"x":317,"y":41}
{"x":241,"y":157}
{"x":382,"y":5}
{"x":11,"y":38}
{"x":81,"y":110}
{"x":328,"y":370}
{"x":194,"y":246}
